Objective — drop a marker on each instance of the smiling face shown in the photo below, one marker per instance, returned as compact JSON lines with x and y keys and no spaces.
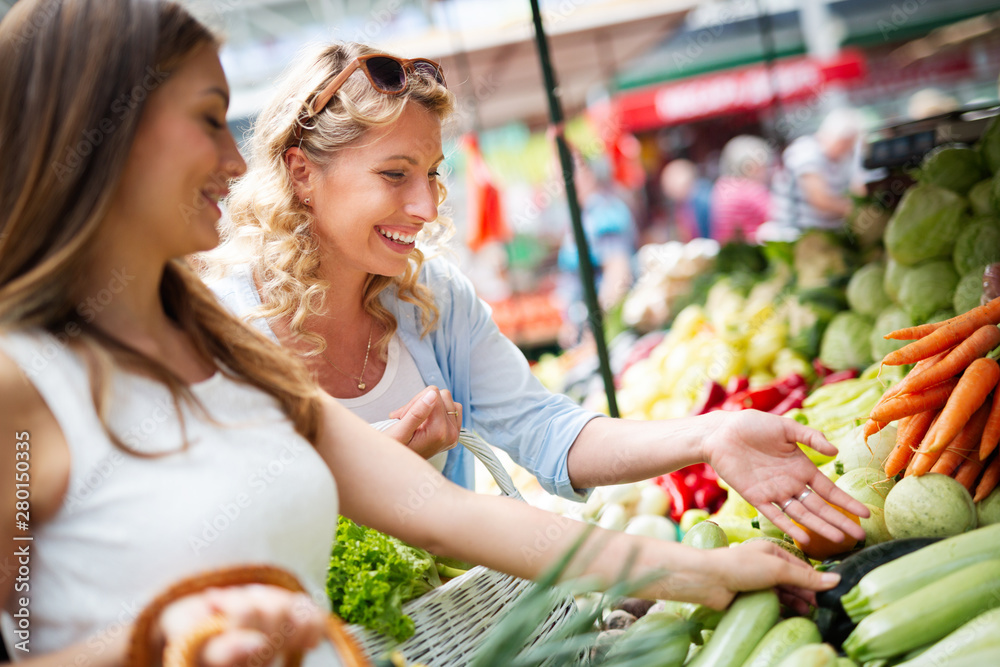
{"x":378,"y":193}
{"x":180,"y":163}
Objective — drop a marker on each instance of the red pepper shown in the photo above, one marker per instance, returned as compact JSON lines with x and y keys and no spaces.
{"x":737,"y":383}
{"x":793,"y":400}
{"x":763,"y":398}
{"x":822,"y":370}
{"x":766,"y":397}
{"x":712,"y":396}
{"x":681,"y":497}
{"x":840,"y":376}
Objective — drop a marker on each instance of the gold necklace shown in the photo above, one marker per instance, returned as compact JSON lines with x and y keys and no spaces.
{"x":359,"y":378}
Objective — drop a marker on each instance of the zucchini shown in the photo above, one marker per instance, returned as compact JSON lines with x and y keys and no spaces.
{"x":781,"y":640}
{"x":706,"y":535}
{"x":860,"y":563}
{"x":980,"y":633}
{"x":656,"y":638}
{"x":902,"y":576}
{"x":745,"y":623}
{"x":811,"y":655}
{"x":928,"y":614}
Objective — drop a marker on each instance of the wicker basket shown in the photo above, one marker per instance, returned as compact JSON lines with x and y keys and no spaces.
{"x":452,"y":620}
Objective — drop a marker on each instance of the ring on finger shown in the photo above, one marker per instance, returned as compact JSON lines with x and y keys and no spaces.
{"x":802,"y":496}
{"x":784,"y":505}
{"x":453,"y":413}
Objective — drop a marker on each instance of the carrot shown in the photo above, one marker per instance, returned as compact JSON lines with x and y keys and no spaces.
{"x":989,"y":480}
{"x":968,"y":473}
{"x":977,"y":345}
{"x":901,"y":387}
{"x":904,"y":405}
{"x":911,"y":431}
{"x":872,"y":427}
{"x":922,"y":459}
{"x":953,"y":332}
{"x":913,"y":333}
{"x":965,"y":445}
{"x":991,"y":434}
{"x":974,"y":386}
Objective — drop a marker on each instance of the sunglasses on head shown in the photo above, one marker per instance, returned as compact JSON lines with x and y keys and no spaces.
{"x":386,"y":73}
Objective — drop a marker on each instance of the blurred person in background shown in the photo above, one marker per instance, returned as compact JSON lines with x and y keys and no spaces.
{"x":689,"y":198}
{"x":928,"y":102}
{"x":610,"y":229}
{"x":741,"y":197}
{"x":810,"y":191}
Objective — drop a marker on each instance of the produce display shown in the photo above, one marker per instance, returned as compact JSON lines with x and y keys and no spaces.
{"x":886,"y":340}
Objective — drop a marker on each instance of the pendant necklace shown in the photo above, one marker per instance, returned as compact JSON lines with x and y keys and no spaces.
{"x":360,"y":378}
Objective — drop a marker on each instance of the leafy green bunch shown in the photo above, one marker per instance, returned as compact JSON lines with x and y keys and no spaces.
{"x":372,"y":574}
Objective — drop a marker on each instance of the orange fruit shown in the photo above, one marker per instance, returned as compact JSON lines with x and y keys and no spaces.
{"x":820,"y":548}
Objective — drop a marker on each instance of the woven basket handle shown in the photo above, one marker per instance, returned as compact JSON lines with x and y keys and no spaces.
{"x":142,"y":653}
{"x":482,"y":451}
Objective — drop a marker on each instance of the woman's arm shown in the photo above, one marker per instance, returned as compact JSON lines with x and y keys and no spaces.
{"x":399,"y":493}
{"x":756,"y":453}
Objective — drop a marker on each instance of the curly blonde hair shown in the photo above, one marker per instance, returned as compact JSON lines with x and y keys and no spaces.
{"x":269,"y":228}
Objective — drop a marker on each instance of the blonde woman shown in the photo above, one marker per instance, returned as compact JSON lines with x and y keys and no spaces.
{"x":149,"y":435}
{"x":324,"y":254}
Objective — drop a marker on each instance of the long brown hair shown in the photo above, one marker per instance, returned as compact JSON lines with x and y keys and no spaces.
{"x":269,"y":228}
{"x":75,"y":76}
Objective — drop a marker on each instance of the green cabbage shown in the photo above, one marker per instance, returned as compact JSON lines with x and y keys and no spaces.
{"x":847,"y":341}
{"x":981,"y":198}
{"x":927,"y":288}
{"x":989,"y":145}
{"x":865,"y":293}
{"x":956,"y":168}
{"x":892,"y":318}
{"x":969,"y":291}
{"x":977,"y":245}
{"x":925,"y":224}
{"x":894,"y":272}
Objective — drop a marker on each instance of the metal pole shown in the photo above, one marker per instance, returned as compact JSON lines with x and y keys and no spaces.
{"x":583,"y":249}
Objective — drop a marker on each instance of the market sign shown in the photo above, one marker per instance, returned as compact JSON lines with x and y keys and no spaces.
{"x":735,"y":91}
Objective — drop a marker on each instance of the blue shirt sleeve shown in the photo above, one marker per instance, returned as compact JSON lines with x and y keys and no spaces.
{"x":505,"y":403}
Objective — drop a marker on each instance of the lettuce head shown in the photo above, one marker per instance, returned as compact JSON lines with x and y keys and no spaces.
{"x":928,"y":288}
{"x":925,"y":225}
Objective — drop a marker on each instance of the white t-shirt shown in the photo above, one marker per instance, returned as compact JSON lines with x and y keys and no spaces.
{"x":400,"y":382}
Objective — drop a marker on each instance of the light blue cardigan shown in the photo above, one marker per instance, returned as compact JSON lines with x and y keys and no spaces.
{"x":484,"y":370}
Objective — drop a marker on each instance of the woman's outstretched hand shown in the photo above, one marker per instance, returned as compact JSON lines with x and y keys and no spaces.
{"x":265,"y":622}
{"x":757,"y":454}
{"x":717,"y":575}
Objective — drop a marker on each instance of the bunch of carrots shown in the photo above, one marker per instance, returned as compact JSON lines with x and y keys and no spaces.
{"x":948,"y":405}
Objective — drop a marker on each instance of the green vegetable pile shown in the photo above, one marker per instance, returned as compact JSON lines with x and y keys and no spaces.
{"x":372,"y":574}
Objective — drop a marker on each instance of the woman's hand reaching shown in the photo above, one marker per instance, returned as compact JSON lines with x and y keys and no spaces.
{"x":714,"y":576}
{"x":758,"y":455}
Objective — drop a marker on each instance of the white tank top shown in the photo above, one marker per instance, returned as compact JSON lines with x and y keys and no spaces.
{"x":248,"y":489}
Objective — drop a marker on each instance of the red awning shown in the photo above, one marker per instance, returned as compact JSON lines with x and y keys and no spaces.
{"x":739,"y":90}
